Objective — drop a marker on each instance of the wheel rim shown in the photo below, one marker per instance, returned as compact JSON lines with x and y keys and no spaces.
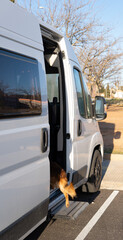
{"x":97,"y":173}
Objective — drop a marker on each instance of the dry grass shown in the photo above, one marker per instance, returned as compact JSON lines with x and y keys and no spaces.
{"x":112,"y":130}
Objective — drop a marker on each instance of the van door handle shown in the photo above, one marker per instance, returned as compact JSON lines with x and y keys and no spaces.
{"x":79,"y":130}
{"x":44,"y":139}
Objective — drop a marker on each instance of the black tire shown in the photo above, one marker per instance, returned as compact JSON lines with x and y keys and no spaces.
{"x":95,"y":175}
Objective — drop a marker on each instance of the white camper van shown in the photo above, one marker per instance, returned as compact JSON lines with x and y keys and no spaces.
{"x":46,"y":114}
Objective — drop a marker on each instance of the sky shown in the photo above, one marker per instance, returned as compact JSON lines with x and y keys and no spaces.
{"x":109,"y":13}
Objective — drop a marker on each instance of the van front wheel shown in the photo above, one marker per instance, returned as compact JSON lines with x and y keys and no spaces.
{"x":95,"y":175}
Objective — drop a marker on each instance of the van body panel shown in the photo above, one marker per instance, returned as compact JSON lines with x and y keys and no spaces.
{"x":19,"y":39}
{"x":23,"y":24}
{"x":79,"y":148}
{"x":68,"y":49}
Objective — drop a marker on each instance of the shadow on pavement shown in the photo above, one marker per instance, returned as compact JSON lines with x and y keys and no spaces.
{"x":108,"y":134}
{"x":81,"y":197}
{"x":85,"y":197}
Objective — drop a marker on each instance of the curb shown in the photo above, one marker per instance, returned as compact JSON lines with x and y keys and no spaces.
{"x":118,"y":157}
{"x":112,"y":173}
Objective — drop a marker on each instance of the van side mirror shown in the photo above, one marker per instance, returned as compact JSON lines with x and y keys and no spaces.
{"x":100,"y":108}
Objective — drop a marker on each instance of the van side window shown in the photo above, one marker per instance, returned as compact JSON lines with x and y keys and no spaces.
{"x":19,"y":85}
{"x":88,"y":101}
{"x":79,"y":90}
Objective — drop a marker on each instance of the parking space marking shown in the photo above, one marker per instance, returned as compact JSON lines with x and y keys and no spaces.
{"x":96,"y":217}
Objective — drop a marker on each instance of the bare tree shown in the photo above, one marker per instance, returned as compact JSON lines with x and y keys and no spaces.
{"x":101,"y":60}
{"x":97,"y":52}
{"x":71,"y":17}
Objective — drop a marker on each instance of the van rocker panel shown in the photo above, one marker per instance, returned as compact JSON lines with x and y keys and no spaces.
{"x":27,"y":222}
{"x":79,"y":175}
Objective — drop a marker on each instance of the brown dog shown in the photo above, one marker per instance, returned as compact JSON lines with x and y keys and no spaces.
{"x":58,"y":179}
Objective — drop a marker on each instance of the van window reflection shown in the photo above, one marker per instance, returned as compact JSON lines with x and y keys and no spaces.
{"x":19,"y":85}
{"x":79,"y":91}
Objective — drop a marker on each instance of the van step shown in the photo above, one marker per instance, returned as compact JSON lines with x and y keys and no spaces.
{"x":72,"y":212}
{"x":56,"y":198}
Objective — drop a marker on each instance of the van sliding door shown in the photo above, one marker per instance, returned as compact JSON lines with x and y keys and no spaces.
{"x":24,"y":127}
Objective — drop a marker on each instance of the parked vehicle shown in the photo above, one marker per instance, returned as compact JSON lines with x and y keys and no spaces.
{"x":46,"y":114}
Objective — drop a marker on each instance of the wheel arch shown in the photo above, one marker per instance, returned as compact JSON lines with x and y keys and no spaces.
{"x":98,"y":147}
{"x":89,"y":185}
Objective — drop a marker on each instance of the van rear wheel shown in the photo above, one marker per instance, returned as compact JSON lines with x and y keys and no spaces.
{"x":95,"y":175}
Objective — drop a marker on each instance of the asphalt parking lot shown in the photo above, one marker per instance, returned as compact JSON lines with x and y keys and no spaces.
{"x":109,"y":224}
{"x":101,"y":219}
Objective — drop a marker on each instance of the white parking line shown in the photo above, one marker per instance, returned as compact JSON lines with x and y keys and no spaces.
{"x":96,"y":217}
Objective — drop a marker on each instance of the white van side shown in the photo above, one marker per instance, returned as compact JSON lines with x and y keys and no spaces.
{"x":46,"y":114}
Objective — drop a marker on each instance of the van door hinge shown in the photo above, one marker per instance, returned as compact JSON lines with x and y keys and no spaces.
{"x":63,"y":54}
{"x":67,"y":135}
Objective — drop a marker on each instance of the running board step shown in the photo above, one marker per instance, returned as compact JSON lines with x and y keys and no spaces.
{"x":56,"y":199}
{"x":72,"y":212}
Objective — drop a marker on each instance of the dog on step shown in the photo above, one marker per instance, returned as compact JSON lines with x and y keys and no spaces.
{"x":58,"y":179}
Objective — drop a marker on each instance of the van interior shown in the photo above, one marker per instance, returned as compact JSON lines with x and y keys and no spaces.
{"x":56,"y":101}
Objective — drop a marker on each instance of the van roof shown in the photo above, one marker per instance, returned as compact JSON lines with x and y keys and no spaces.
{"x":18,"y":20}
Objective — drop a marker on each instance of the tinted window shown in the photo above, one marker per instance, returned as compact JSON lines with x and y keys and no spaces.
{"x":88,"y":100}
{"x":79,"y":90}
{"x":19,"y":85}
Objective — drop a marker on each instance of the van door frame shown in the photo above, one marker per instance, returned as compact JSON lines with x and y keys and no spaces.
{"x":62,"y":87}
{"x":62,"y":79}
